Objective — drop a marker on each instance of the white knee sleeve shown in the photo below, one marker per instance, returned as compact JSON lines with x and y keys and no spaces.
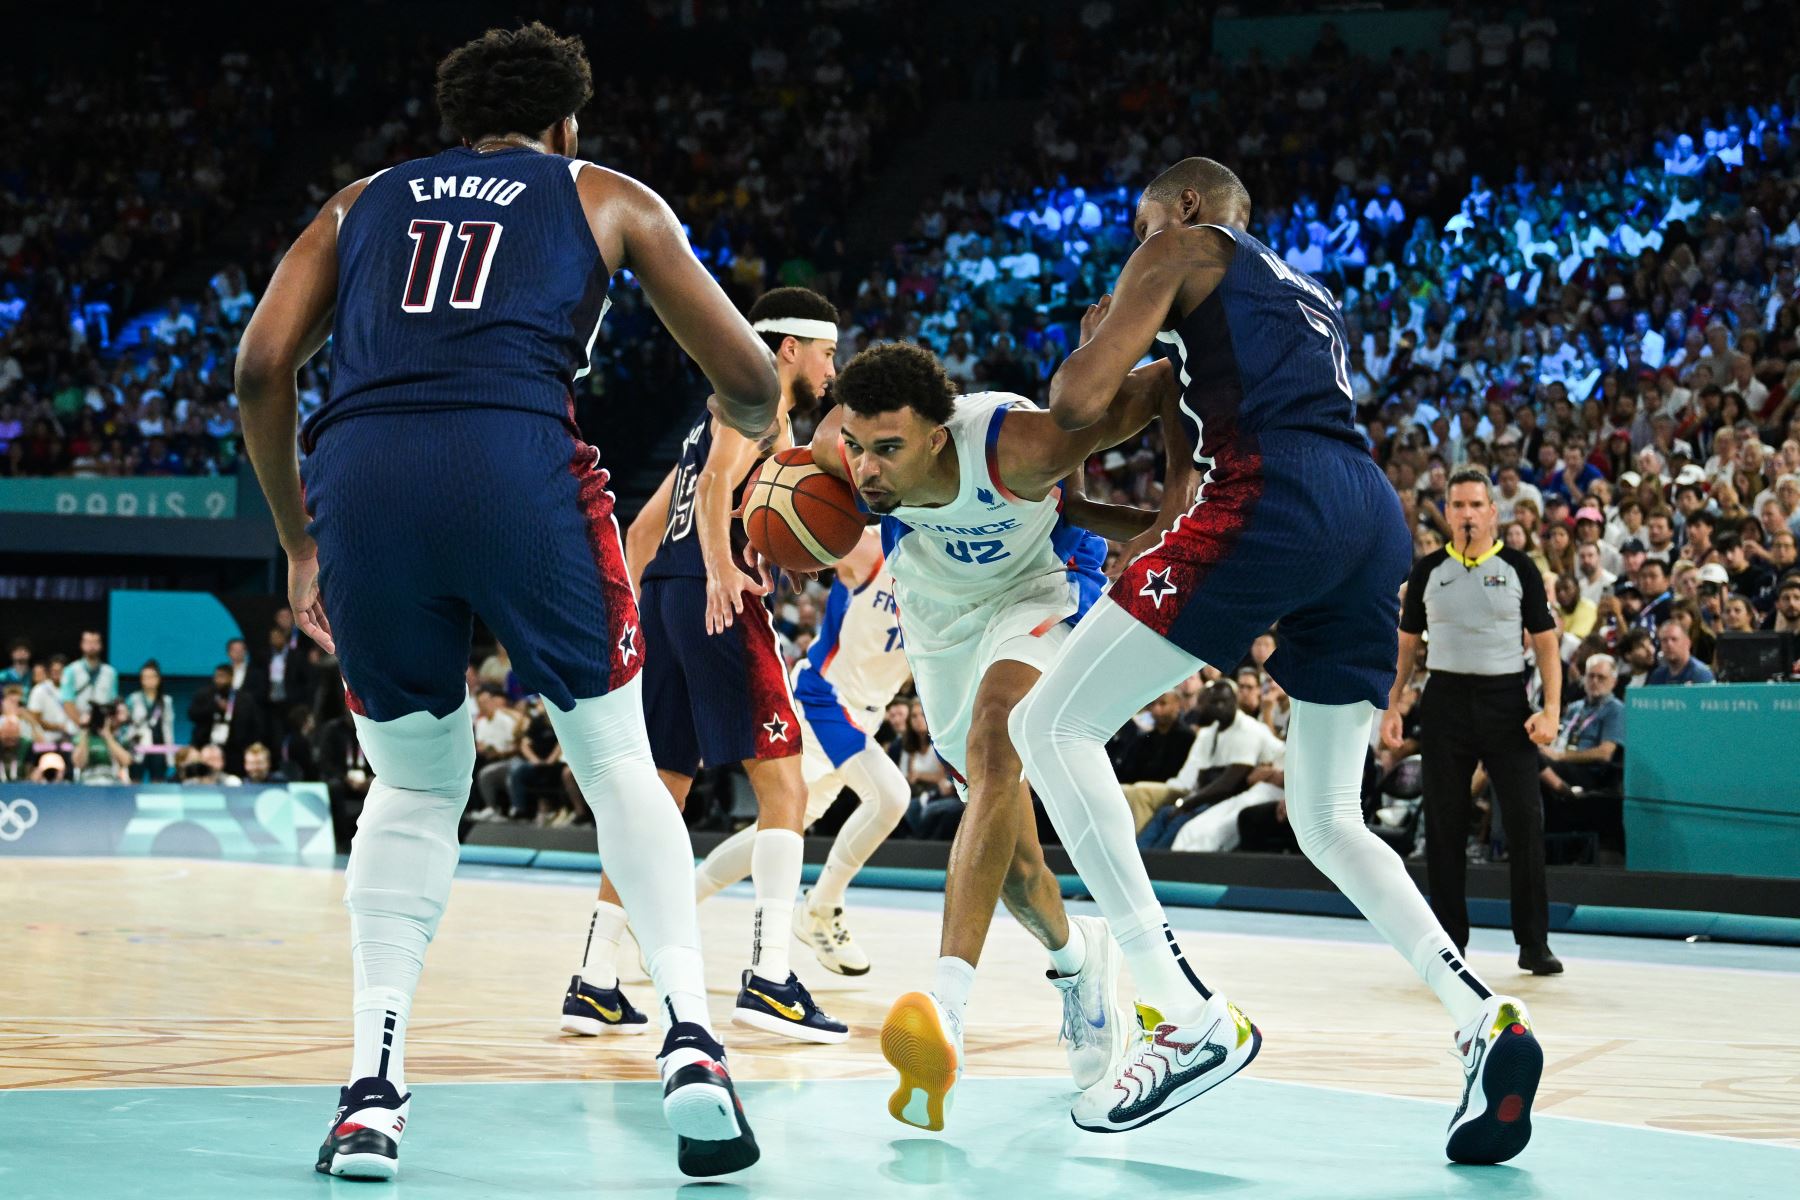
{"x":884,"y":796}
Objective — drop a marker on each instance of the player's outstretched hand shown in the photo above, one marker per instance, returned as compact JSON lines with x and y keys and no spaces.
{"x":306,"y":603}
{"x":725,"y":592}
{"x":1392,"y":731}
{"x":1096,"y":313}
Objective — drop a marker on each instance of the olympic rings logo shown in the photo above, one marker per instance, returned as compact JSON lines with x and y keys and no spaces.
{"x":16,"y":816}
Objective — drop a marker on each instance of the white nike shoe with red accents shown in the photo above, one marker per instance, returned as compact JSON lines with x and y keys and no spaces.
{"x":1168,"y":1065}
{"x":364,"y":1140}
{"x":1502,"y":1063}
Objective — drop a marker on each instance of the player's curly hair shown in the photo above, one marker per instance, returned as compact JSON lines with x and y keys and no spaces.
{"x":520,"y":80}
{"x":893,"y":376}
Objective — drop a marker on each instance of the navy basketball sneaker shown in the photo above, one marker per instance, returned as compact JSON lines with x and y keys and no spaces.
{"x":589,"y":1011}
{"x":364,"y":1139}
{"x":712,"y":1135}
{"x":1502,"y":1063}
{"x":787,"y":1009}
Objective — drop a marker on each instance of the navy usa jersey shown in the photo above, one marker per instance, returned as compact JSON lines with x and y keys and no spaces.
{"x":465,"y":280}
{"x":678,"y":554}
{"x":1263,"y":355}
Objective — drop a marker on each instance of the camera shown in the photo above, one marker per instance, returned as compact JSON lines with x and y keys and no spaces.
{"x":196,"y":770}
{"x":97,"y":719}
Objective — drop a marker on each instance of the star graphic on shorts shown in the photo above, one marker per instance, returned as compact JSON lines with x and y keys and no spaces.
{"x":1156,"y":586}
{"x":776,"y":727}
{"x":628,"y":643}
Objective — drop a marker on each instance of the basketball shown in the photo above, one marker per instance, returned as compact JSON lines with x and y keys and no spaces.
{"x":797,"y":516}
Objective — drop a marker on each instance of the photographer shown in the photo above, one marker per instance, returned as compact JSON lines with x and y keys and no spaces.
{"x":151,"y":723}
{"x":98,"y":757}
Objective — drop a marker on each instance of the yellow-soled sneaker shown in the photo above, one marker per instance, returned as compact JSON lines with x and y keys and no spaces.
{"x":923,"y":1042}
{"x":1168,"y":1065}
{"x":1502,"y":1063}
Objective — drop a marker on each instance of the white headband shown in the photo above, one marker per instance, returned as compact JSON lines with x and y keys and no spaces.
{"x":800,"y":327}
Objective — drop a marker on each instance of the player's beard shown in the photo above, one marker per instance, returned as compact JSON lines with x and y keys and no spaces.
{"x":804,"y":397}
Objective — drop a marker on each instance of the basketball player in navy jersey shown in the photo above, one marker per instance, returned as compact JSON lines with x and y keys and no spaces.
{"x":1293,"y":523}
{"x":445,"y":478}
{"x":715,"y":685}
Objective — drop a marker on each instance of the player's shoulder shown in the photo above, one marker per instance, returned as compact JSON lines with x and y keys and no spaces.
{"x":975,"y":408}
{"x":1191,"y":246}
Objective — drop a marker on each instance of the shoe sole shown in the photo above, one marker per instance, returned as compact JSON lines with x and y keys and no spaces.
{"x":1210,"y":1081}
{"x":702,"y":1113}
{"x":594,"y":1027}
{"x":1509,"y":1083}
{"x":914,"y":1043}
{"x":364,"y":1166}
{"x":769,"y":1023}
{"x":1122,"y":1022}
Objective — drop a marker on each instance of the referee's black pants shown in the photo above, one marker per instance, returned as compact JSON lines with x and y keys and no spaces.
{"x":1464,"y":720}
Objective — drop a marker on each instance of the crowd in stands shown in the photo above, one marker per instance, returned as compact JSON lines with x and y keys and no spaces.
{"x":1588,"y":284}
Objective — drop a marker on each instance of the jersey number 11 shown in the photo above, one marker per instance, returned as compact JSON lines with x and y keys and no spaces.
{"x":431,"y":243}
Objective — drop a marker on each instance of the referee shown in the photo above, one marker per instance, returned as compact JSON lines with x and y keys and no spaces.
{"x":1478,"y":598}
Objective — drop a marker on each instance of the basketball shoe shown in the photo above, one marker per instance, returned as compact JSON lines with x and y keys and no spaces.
{"x":1168,"y":1065}
{"x":824,"y":931}
{"x":923,"y":1041}
{"x":364,"y":1139}
{"x":1094,"y":1026}
{"x":590,"y":1011}
{"x":712,"y":1134}
{"x":785,"y":1008}
{"x":1501,"y":1062}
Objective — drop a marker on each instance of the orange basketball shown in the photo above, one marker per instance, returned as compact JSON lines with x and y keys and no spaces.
{"x":797,"y":516}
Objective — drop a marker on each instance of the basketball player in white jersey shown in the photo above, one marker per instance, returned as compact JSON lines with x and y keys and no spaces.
{"x":843,"y":685}
{"x":988,"y":576}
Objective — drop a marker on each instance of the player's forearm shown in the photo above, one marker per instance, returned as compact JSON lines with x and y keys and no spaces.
{"x":712,"y":521}
{"x":1115,"y":522}
{"x":269,"y":407}
{"x":1079,"y":394}
{"x":1403,"y":668}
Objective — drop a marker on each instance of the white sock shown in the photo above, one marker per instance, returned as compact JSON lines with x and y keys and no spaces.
{"x":380,"y":1016}
{"x":951,"y":987}
{"x":883,"y":792}
{"x":1069,"y":959}
{"x":1108,"y":669}
{"x":775,"y":859}
{"x":641,"y":839}
{"x":605,"y":930}
{"x":1326,"y":746}
{"x":728,"y":863}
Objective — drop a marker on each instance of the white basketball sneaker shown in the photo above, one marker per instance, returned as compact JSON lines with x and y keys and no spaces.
{"x":1095,"y":1024}
{"x":364,"y":1139}
{"x":923,"y":1041}
{"x":824,"y":931}
{"x":1502,"y":1063}
{"x":1168,"y":1065}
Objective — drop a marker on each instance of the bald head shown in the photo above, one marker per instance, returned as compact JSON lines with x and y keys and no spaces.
{"x":1200,"y":191}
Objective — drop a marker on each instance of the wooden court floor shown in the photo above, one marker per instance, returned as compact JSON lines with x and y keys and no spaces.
{"x":145,"y":973}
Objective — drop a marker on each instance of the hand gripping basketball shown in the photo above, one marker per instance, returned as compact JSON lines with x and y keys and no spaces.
{"x":797,"y":516}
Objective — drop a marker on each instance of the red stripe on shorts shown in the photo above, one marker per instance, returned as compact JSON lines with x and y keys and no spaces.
{"x":623,"y":633}
{"x":770,"y":706}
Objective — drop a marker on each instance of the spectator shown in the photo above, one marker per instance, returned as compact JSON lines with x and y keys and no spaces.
{"x":1575,"y":611}
{"x":539,"y":763}
{"x":20,"y":670}
{"x":1158,"y":751}
{"x":46,"y":699}
{"x":1677,"y":665}
{"x":1753,"y":580}
{"x":343,"y":767}
{"x":1637,"y":650}
{"x":1592,"y":579}
{"x":88,"y":681}
{"x":1224,"y":752}
{"x":97,"y":756}
{"x":15,"y":749}
{"x":151,"y":722}
{"x":225,"y":717}
{"x":259,"y":765}
{"x":1785,"y":618}
{"x":204,"y":766}
{"x":498,"y":730}
{"x":297,"y":758}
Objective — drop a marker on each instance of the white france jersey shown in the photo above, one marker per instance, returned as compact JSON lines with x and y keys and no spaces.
{"x":955,"y":558}
{"x":859,"y":659}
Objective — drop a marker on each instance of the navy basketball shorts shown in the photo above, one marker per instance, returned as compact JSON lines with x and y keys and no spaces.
{"x":1295,"y":529}
{"x":712,"y":698}
{"x":426,"y":520}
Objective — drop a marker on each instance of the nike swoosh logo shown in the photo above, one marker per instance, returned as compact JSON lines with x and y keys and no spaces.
{"x":610,"y":1014}
{"x":1101,"y":1023}
{"x":1470,"y":1076}
{"x":792,"y":1012}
